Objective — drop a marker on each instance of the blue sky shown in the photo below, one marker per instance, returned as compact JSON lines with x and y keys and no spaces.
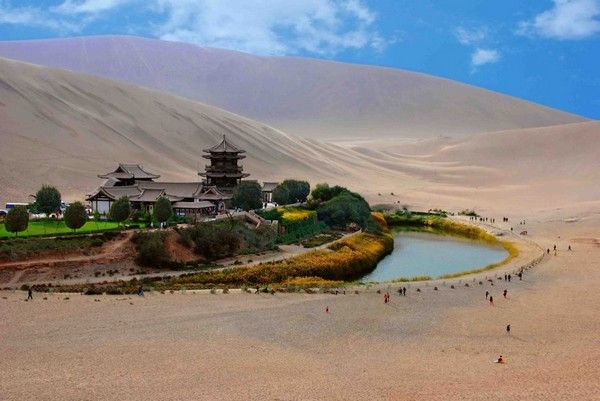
{"x":547,"y":51}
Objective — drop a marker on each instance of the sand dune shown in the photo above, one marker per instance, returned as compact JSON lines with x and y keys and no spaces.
{"x":537,"y":168}
{"x":64,"y":128}
{"x":307,"y":97}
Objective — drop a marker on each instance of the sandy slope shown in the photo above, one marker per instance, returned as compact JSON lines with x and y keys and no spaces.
{"x":432,"y":345}
{"x":549,"y":168}
{"x":308,"y":97}
{"x":64,"y":128}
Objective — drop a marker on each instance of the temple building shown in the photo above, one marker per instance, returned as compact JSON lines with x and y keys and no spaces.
{"x":223,"y":171}
{"x":207,"y":197}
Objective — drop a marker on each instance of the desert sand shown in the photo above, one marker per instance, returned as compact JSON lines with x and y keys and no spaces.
{"x":429,"y":345}
{"x":306,"y":97}
{"x":65,"y":128}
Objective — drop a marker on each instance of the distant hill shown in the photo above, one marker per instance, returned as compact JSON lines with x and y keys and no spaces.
{"x":307,"y":97}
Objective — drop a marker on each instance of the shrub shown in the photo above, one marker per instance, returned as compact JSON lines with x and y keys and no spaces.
{"x":247,"y":195}
{"x":311,"y":282}
{"x":344,"y":209}
{"x":17,"y":220}
{"x":75,"y":216}
{"x":151,"y":249}
{"x":120,"y":210}
{"x":348,"y":259}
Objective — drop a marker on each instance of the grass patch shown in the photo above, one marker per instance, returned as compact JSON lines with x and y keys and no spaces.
{"x":53,"y":228}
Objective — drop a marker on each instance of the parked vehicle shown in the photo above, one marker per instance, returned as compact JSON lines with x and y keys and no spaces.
{"x":11,"y":205}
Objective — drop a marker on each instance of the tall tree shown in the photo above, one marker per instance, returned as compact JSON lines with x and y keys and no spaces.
{"x":17,"y":220}
{"x":247,"y":195}
{"x":75,"y":216}
{"x":47,"y":200}
{"x":281,"y":195}
{"x":291,"y":191}
{"x":120,"y":210}
{"x":162,"y":210}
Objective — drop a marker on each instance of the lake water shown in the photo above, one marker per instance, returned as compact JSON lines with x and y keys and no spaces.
{"x":425,"y":254}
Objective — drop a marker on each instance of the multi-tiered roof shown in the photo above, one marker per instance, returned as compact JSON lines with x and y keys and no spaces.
{"x":223,"y":170}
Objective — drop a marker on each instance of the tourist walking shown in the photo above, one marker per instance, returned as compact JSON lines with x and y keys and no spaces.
{"x":508,"y":329}
{"x":491,"y":300}
{"x":509,"y":278}
{"x":141,"y":291}
{"x":487,"y":294}
{"x":520,"y":276}
{"x":505,"y":292}
{"x":327,"y":309}
{"x":30,"y":294}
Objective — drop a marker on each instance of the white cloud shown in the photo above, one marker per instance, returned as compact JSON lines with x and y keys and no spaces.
{"x":567,"y":19}
{"x":32,"y":16}
{"x":274,"y":27}
{"x":484,"y":56}
{"x":470,"y":36}
{"x":87,"y":6}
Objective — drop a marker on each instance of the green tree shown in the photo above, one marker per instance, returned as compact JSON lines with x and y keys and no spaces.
{"x":75,"y":216}
{"x":323,"y":192}
{"x":281,"y":195}
{"x":344,"y":209}
{"x":17,"y":220}
{"x":247,"y":195}
{"x":120,"y":210}
{"x":291,"y":191}
{"x":47,"y":200}
{"x":162,"y":210}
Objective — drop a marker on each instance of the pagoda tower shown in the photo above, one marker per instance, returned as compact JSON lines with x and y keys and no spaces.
{"x":223,"y":170}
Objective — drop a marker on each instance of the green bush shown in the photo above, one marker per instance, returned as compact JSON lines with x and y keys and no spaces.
{"x":344,"y":209}
{"x":75,"y":216}
{"x":17,"y":220}
{"x":120,"y":210}
{"x":151,"y":248}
